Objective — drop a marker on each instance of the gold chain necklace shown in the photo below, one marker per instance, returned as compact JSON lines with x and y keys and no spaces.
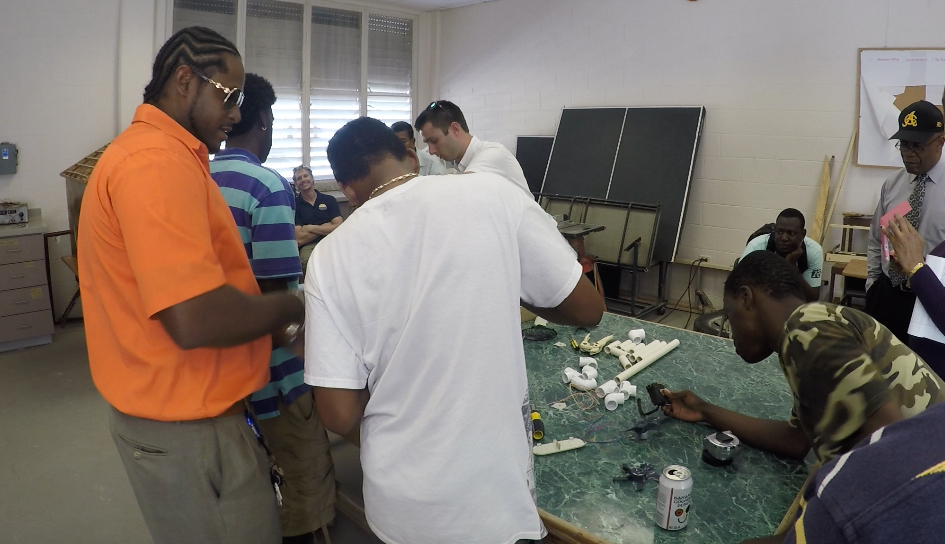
{"x":398,"y":178}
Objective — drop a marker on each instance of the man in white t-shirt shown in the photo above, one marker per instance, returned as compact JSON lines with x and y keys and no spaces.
{"x":788,"y":238}
{"x":414,"y":331}
{"x":444,"y":130}
{"x":429,"y":165}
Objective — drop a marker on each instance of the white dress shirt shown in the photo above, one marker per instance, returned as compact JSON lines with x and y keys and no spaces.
{"x":482,"y":156}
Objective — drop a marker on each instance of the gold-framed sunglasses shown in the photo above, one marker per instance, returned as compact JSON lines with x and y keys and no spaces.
{"x":234,"y":97}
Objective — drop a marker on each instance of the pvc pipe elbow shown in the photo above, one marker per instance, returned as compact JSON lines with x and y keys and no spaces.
{"x":606,"y":388}
{"x":613,"y":400}
{"x":569,"y":373}
{"x":589,"y":373}
{"x":637,"y":335}
{"x":628,"y":389}
{"x":584,"y":384}
{"x":585,"y":361}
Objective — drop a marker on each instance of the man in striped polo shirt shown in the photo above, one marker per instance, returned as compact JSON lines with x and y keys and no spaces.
{"x":263,"y":206}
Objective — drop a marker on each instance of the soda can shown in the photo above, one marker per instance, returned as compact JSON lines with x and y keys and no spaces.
{"x":674,"y":498}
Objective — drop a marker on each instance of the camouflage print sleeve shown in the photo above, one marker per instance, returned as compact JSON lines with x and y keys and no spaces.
{"x":836,"y":384}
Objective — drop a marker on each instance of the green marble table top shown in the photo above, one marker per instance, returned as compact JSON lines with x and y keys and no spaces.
{"x":744,"y":500}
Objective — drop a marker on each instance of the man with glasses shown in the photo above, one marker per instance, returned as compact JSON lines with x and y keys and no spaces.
{"x":316,"y":214}
{"x":178,"y":333}
{"x":444,"y":130}
{"x":428,"y":164}
{"x":921,"y":183}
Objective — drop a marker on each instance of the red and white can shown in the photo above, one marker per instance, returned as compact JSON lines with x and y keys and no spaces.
{"x":674,"y":498}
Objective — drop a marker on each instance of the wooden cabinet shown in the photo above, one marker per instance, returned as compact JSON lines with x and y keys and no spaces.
{"x":25,"y":315}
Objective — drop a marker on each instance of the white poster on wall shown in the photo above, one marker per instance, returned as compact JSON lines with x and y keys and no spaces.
{"x":890,"y":80}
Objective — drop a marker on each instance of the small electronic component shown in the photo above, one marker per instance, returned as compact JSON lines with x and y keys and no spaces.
{"x":656,"y":398}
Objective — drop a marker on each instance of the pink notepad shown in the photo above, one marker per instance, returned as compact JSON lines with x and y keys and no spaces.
{"x":901,"y":210}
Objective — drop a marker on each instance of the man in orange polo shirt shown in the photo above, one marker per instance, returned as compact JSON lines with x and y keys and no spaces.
{"x":178,"y":333}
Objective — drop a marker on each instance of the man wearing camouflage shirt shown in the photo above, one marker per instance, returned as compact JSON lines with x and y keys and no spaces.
{"x":849,"y":375}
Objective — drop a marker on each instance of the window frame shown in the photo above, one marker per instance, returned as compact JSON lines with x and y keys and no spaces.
{"x":366,"y":9}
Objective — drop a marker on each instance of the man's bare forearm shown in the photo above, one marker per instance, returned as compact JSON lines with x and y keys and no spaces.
{"x":772,"y":436}
{"x":228,"y":317}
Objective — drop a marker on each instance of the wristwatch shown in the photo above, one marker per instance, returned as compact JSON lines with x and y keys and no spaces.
{"x":915,"y":269}
{"x":291,"y":332}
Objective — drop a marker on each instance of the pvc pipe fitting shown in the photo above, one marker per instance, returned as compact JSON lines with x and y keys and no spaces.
{"x":606,"y":388}
{"x":613,"y":400}
{"x":584,"y":384}
{"x":589,"y":373}
{"x":637,"y":335}
{"x":585,"y":361}
{"x":627,"y":388}
{"x":569,"y":373}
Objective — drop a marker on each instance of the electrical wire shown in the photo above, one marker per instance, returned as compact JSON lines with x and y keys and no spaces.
{"x":698,"y":266}
{"x":692,"y":277}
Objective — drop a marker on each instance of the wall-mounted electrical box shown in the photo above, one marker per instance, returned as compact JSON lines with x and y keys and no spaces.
{"x":7,"y":158}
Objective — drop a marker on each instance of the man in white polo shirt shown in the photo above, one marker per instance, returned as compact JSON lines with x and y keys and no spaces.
{"x":444,"y":130}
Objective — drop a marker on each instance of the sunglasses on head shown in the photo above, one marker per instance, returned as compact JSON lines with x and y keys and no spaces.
{"x":437,"y":105}
{"x":234,"y":97}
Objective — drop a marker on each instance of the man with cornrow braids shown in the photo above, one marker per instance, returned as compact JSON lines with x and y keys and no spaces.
{"x":178,"y":333}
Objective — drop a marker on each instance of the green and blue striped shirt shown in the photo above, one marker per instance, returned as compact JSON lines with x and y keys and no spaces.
{"x":263,"y":206}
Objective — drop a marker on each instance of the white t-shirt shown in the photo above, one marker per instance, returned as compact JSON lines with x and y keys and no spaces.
{"x":493,"y":157}
{"x":430,"y":165}
{"x":416,"y":296}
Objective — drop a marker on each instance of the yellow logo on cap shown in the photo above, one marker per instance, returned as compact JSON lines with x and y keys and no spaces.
{"x":938,"y":124}
{"x":910,"y":120}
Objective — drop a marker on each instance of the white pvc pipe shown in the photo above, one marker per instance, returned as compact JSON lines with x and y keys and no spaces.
{"x":569,"y":373}
{"x":589,"y":373}
{"x":649,"y":359}
{"x":606,"y":388}
{"x":628,"y":345}
{"x":625,"y":361}
{"x":650,"y":348}
{"x":584,"y":384}
{"x":607,"y":348}
{"x":627,"y":388}
{"x":617,"y":352}
{"x":588,"y":361}
{"x":613,"y":400}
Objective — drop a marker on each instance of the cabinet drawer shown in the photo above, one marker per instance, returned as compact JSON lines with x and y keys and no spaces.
{"x":28,"y":274}
{"x":17,"y":249}
{"x":19,"y":327}
{"x":24,"y":301}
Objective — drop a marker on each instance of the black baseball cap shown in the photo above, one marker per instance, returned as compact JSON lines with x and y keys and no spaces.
{"x":918,"y":122}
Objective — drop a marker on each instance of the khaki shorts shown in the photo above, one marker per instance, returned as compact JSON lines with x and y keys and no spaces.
{"x":300,"y":445}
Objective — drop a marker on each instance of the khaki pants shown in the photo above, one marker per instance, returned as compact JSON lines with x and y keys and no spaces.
{"x":198,"y":482}
{"x":300,"y":445}
{"x":304,"y":254}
